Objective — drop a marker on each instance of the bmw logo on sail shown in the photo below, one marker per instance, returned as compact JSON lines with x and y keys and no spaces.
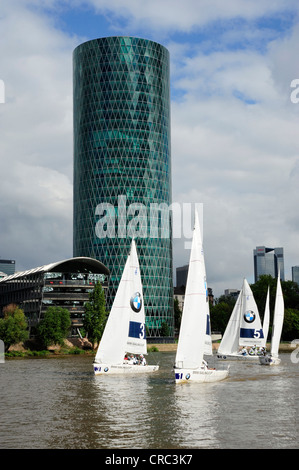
{"x":136,"y":302}
{"x":249,"y":316}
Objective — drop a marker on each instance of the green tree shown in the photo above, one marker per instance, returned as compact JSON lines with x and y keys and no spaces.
{"x":13,"y":326}
{"x":259,"y":290}
{"x":95,"y":316}
{"x":54,"y":327}
{"x":177,"y":314}
{"x":291,"y":294}
{"x":290,"y":329}
{"x":220,"y":314}
{"x":165,"y":330}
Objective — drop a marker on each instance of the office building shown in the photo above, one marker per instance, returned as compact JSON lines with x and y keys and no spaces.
{"x":232,"y":293}
{"x":295,"y":274}
{"x":122,"y":164}
{"x":268,"y":261}
{"x":181,"y":275}
{"x":65,"y":284}
{"x":7,"y":266}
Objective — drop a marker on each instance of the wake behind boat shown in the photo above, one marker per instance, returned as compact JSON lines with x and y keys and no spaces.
{"x":243,"y":329}
{"x":272,"y":359}
{"x":125,"y":328}
{"x":194,"y":338}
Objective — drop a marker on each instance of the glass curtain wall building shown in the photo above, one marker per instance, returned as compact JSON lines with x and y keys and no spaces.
{"x":122,"y":164}
{"x":268,"y":261}
{"x":295,"y":274}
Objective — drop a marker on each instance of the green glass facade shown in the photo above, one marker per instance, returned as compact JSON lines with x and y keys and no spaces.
{"x":122,"y":157}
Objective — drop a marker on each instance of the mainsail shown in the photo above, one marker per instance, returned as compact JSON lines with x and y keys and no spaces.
{"x":251,"y":332}
{"x":266,"y":319}
{"x":191,"y":344}
{"x":125,"y":327}
{"x":136,"y":340}
{"x":278,"y":319}
{"x":230,"y":340}
{"x":244,"y":326}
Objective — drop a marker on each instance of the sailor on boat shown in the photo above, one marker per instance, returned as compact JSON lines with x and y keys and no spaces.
{"x":252,"y":351}
{"x":142,"y":360}
{"x":262,"y":351}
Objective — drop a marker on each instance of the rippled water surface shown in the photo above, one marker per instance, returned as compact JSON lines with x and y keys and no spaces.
{"x":59,"y":403}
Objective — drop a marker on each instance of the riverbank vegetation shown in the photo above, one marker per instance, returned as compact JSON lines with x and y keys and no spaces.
{"x":13,"y":326}
{"x":25,"y":351}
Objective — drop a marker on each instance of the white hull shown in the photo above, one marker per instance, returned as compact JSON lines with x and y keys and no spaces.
{"x":269,"y":361}
{"x":199,"y":375}
{"x":238,"y":357}
{"x":111,"y":369}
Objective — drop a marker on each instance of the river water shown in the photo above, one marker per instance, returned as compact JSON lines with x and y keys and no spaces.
{"x":58,"y":403}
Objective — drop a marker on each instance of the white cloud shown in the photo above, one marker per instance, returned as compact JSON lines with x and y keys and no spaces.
{"x":188,"y":15}
{"x":239,"y":159}
{"x":36,"y":138}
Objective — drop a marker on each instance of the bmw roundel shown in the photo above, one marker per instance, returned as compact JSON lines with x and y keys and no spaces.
{"x":136,"y":302}
{"x":249,"y":316}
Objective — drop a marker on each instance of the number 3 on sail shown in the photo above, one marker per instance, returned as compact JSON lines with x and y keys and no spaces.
{"x":142,"y":331}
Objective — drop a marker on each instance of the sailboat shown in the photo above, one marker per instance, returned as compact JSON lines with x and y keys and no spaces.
{"x":243,"y":329}
{"x":272,"y":358}
{"x":194,"y":338}
{"x":124,"y":332}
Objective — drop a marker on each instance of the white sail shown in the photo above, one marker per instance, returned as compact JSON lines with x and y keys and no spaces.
{"x":266,"y":319}
{"x":125,"y":327}
{"x":251,"y":332}
{"x":191,"y":347}
{"x":112,"y":346}
{"x":136,"y":340}
{"x":208,"y":349}
{"x":278,"y":319}
{"x":230,"y":340}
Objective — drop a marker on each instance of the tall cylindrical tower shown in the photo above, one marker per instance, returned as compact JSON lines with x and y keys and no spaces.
{"x":122,"y":165}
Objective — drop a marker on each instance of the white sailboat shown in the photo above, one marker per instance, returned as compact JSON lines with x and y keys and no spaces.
{"x":272,"y":358}
{"x":243,"y":329}
{"x":194,"y":338}
{"x":125,"y":328}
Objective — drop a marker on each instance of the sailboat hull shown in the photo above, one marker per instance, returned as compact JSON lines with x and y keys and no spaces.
{"x":238,"y":357}
{"x":199,"y":375}
{"x":113,"y":369}
{"x":269,"y":361}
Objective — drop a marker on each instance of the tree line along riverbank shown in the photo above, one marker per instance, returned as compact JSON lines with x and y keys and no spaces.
{"x":76,"y":346}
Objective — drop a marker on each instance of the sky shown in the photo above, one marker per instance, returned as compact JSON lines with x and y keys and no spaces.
{"x":234,"y":123}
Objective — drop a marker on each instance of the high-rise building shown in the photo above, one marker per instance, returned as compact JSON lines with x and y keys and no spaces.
{"x":122,"y":164}
{"x":295,"y":274}
{"x":268,"y":261}
{"x":181,"y":275}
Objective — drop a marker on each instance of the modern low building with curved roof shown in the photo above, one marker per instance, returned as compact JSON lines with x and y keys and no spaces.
{"x":64,"y":284}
